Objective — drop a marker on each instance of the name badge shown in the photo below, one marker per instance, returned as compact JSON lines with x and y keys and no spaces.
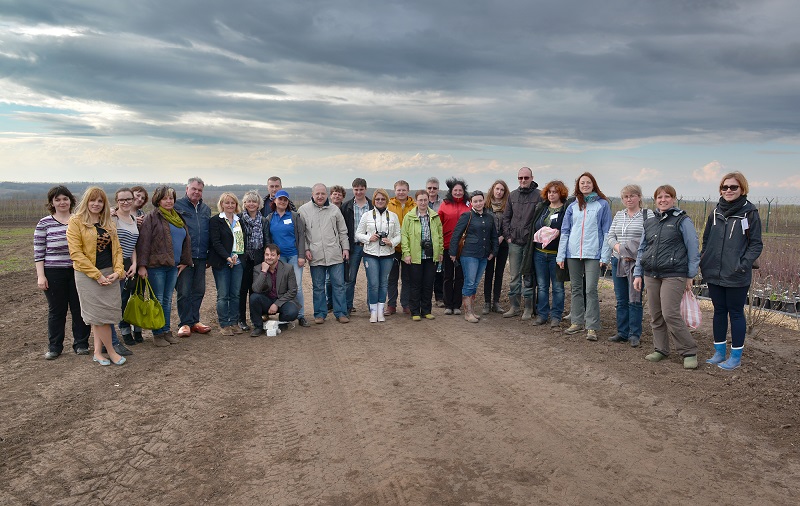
{"x":554,"y":217}
{"x":745,"y":224}
{"x":287,"y":221}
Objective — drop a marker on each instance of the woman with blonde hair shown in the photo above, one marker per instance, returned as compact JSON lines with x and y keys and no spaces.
{"x":497,"y":198}
{"x":379,"y":231}
{"x":97,"y":259}
{"x":226,"y":247}
{"x":256,"y":237}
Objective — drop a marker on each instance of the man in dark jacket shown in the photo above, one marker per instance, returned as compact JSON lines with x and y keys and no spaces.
{"x":191,"y":285}
{"x":352,"y":210}
{"x":516,"y":226}
{"x":274,"y":184}
{"x":274,"y":290}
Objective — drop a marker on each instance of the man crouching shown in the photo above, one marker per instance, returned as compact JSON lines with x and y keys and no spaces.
{"x":274,"y":290}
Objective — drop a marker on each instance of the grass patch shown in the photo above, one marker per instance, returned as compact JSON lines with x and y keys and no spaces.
{"x":16,"y":249}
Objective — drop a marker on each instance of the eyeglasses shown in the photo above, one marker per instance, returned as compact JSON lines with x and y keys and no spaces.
{"x":124,"y":200}
{"x":732,"y":187}
{"x":433,"y":188}
{"x":524,"y":178}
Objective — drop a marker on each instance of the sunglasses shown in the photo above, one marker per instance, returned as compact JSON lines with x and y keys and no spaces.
{"x":524,"y":178}
{"x":432,"y":188}
{"x":732,"y":187}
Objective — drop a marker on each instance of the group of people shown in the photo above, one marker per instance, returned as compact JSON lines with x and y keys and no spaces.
{"x":416,"y":249}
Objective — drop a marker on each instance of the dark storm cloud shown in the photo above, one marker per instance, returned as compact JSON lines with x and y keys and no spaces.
{"x":445,"y":75}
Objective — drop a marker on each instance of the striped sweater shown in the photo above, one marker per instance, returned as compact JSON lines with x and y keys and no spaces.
{"x":50,"y":243}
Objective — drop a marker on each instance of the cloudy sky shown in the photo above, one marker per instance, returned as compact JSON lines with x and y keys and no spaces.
{"x":656,"y":91}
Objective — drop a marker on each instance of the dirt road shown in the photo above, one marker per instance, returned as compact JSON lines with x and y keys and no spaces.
{"x":431,"y":412}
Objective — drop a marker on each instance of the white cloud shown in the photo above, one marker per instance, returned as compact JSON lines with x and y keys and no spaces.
{"x":709,"y":173}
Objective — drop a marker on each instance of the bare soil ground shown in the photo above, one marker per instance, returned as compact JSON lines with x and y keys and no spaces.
{"x":431,"y":412}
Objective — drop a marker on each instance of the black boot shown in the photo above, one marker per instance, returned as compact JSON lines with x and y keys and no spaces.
{"x":128,"y":339}
{"x":137,"y":336}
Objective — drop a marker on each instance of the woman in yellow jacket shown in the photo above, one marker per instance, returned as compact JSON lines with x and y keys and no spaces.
{"x":97,"y":259}
{"x":422,"y":247}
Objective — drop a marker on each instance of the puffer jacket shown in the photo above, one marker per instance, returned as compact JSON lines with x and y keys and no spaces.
{"x":583,"y":232}
{"x":669,"y":246}
{"x":154,"y":248}
{"x":326,"y":233}
{"x":481,"y":240}
{"x":82,"y":242}
{"x":519,"y":211}
{"x":412,"y":236}
{"x":373,"y":222}
{"x":730,"y":246}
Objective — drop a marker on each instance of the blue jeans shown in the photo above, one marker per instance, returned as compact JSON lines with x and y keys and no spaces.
{"x":229,"y":283}
{"x":356,"y":253}
{"x":298,"y":276}
{"x":191,"y":289}
{"x":545,"y":276}
{"x":378,"y":269}
{"x":473,"y":272}
{"x":629,"y":314}
{"x":729,"y":302}
{"x":336,"y":272}
{"x":163,"y":281}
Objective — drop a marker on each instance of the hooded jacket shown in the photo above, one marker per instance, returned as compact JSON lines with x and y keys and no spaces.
{"x":730,"y":246}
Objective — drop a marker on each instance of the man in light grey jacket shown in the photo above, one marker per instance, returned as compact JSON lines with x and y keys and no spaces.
{"x":327,"y":248}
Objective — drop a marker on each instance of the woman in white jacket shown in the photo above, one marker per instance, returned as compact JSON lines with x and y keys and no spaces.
{"x":379,"y":232}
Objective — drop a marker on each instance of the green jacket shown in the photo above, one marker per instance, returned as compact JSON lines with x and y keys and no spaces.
{"x":412,"y":236}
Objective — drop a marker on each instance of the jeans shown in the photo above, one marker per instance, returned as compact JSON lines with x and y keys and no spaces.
{"x":545,"y":277}
{"x":61,"y":295}
{"x":229,"y":282}
{"x":517,"y":287}
{"x":246,"y":286}
{"x":259,"y":305}
{"x":336,"y":272}
{"x":163,"y":281}
{"x":729,"y":301}
{"x":378,"y":269}
{"x":585,"y":302}
{"x":453,"y":282}
{"x":191,"y":289}
{"x":298,"y":276}
{"x":495,"y":268}
{"x":473,"y":272}
{"x":629,"y":314}
{"x":422,"y":277}
{"x":356,"y":253}
{"x":399,"y":273}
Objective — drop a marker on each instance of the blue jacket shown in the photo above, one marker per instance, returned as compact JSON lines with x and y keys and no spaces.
{"x":583,"y":232}
{"x":196,"y":218}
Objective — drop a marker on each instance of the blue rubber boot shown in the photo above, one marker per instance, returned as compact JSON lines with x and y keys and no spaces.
{"x":734,"y":360}
{"x":719,"y":354}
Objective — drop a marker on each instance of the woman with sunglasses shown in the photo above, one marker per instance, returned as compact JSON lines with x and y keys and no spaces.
{"x":731,"y":244}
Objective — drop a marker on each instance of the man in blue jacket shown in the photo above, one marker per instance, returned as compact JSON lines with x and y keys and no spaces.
{"x":191,"y":285}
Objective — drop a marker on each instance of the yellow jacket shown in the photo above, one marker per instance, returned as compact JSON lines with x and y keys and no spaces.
{"x":82,"y":242}
{"x":397,"y":208}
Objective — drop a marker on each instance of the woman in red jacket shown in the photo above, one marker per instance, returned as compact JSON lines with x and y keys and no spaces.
{"x":454,"y":205}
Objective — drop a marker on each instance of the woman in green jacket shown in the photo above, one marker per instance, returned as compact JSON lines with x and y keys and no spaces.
{"x":422,"y":247}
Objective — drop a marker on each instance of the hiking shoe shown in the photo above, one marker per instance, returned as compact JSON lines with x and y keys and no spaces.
{"x":591,"y":335}
{"x":448,"y":311}
{"x":555,"y":324}
{"x":225,"y":331}
{"x":457,"y":311}
{"x":574,"y":329}
{"x":634,"y":341}
{"x":656,"y":356}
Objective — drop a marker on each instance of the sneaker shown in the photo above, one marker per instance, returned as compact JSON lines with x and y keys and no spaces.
{"x":616,"y":338}
{"x":574,"y":329}
{"x":439,"y":303}
{"x":343,"y":319}
{"x":319,"y":320}
{"x":690,"y":362}
{"x":555,"y":324}
{"x":457,"y":311}
{"x":448,"y":311}
{"x":487,"y":308}
{"x":429,"y":317}
{"x":226,"y":331}
{"x":236,"y":329}
{"x":82,"y":351}
{"x":416,"y":318}
{"x":303,"y":322}
{"x":634,"y":341}
{"x":538,"y":321}
{"x":52,"y":355}
{"x":656,"y":356}
{"x":244,"y":326}
{"x":591,"y":335}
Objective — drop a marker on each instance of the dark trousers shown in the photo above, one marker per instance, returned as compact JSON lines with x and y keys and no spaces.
{"x":729,"y":302}
{"x":495,"y":268}
{"x":453,"y":283}
{"x":191,"y":289}
{"x":259,"y":305}
{"x":399,"y":272}
{"x":421,"y":279}
{"x":247,"y":285}
{"x":61,"y":295}
{"x":438,"y":284}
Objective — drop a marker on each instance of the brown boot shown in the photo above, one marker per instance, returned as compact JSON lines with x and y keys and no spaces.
{"x":170,"y":338}
{"x":474,"y":313}
{"x":159,"y":340}
{"x":468,"y":315}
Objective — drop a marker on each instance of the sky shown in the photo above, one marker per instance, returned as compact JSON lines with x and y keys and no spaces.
{"x":647,"y":92}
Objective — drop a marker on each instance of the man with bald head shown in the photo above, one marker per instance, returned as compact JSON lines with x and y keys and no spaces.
{"x":516,"y":226}
{"x":327,"y":248}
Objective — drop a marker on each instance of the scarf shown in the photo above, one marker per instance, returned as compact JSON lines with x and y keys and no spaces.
{"x":172,"y":217}
{"x":728,"y":209}
{"x":497,"y":207}
{"x":253,"y":232}
{"x":590,"y":198}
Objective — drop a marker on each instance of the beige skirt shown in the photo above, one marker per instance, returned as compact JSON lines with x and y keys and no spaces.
{"x":100,"y":305}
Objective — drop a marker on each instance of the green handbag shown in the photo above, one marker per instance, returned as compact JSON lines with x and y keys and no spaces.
{"x":143,"y":308}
